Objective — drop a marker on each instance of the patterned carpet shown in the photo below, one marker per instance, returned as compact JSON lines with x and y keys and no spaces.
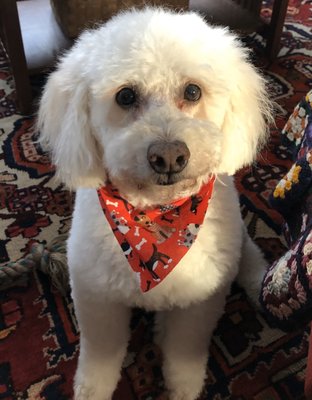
{"x":250,"y":359}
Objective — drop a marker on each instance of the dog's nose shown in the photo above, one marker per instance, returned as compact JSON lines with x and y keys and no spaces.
{"x":168,"y":157}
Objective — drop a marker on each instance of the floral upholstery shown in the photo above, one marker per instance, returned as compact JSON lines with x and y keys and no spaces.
{"x":287,"y":287}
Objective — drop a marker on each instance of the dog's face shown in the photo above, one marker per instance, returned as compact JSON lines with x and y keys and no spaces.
{"x":156,"y":102}
{"x":144,"y":220}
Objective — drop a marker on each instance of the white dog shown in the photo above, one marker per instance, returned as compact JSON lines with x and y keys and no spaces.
{"x":160,"y":105}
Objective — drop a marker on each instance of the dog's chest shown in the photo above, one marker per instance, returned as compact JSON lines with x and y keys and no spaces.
{"x":211,"y":260}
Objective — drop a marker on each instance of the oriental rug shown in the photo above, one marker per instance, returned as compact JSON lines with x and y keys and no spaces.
{"x":39,"y":336}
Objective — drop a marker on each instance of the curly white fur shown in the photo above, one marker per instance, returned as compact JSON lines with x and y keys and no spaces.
{"x":157,"y":53}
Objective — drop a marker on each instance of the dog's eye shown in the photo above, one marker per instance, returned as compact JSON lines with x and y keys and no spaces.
{"x":192,"y":92}
{"x":126,"y":97}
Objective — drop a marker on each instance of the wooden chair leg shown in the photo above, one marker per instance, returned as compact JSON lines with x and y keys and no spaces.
{"x":15,"y":49}
{"x":276,"y":27}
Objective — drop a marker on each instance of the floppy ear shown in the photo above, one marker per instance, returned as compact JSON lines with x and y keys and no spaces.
{"x":65,"y":130}
{"x":247,"y":117}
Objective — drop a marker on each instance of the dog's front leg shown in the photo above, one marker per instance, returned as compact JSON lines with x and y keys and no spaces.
{"x":103,"y":343}
{"x":252,"y":269}
{"x":184,"y":337}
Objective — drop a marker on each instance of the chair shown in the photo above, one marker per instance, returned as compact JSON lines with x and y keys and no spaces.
{"x":33,"y":38}
{"x":12,"y":39}
{"x":244,"y":16}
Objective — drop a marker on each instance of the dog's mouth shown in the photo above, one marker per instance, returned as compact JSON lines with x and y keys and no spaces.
{"x":168,"y":179}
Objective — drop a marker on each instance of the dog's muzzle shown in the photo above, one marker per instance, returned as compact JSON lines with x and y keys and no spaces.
{"x":168,"y":159}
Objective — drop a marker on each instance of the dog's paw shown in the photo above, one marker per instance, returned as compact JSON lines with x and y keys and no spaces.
{"x":185,"y":384}
{"x":85,"y":392}
{"x":182,"y":394}
{"x":89,"y":386}
{"x":253,"y":267}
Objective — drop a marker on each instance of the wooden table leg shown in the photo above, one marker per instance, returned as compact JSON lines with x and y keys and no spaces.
{"x":14,"y":46}
{"x":276,"y":28}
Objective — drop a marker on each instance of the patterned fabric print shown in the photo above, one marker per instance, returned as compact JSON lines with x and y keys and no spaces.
{"x":7,"y":100}
{"x":287,"y":182}
{"x":283,"y":293}
{"x":286,"y":291}
{"x":294,"y":133}
{"x":155,"y":240}
{"x":307,"y":258}
{"x":38,"y":343}
{"x":32,"y":204}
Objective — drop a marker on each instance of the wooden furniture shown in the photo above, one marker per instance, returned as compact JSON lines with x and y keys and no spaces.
{"x":239,"y":15}
{"x":11,"y":37}
{"x":244,"y":16}
{"x":32,"y":39}
{"x":273,"y":30}
{"x":75,"y":15}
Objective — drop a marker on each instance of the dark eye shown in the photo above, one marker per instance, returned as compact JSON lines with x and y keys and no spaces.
{"x":192,"y":92}
{"x":126,"y":97}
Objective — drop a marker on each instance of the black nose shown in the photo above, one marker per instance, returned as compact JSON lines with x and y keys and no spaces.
{"x":168,"y":157}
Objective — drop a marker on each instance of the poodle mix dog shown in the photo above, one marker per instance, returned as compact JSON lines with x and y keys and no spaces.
{"x":152,"y":113}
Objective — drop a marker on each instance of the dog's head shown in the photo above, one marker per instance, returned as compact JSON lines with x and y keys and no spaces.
{"x":156,"y":101}
{"x":144,"y":220}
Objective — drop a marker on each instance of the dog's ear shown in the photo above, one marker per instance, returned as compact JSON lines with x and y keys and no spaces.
{"x":247,"y":117}
{"x":65,"y":130}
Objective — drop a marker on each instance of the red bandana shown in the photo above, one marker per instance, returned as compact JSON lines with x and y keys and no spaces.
{"x":155,"y":240}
